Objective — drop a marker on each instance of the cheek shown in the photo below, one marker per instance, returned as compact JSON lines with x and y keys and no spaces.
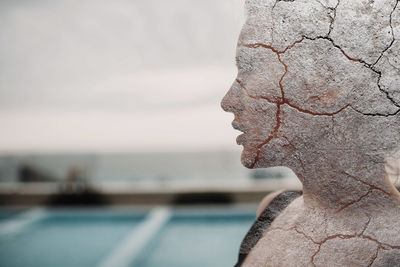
{"x":260,"y":120}
{"x":264,"y":83}
{"x":261,"y":72}
{"x":278,"y":152}
{"x":305,"y":131}
{"x":274,"y":151}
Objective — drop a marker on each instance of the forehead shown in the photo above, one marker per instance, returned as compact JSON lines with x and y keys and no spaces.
{"x":254,"y":6}
{"x":257,"y":27}
{"x":281,"y":23}
{"x":317,"y":75}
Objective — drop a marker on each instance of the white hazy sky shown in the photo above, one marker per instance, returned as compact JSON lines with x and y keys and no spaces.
{"x":98,"y":76}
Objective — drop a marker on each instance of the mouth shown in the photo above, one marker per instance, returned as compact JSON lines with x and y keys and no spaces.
{"x":241,"y":138}
{"x":237,"y":126}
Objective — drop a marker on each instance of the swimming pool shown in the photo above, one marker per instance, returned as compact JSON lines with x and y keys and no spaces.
{"x":162,"y":236}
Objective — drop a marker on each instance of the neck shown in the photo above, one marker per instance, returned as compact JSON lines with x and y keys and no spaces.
{"x":336,"y":188}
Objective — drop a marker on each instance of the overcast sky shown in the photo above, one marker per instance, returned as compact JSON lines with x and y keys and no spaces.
{"x":120,"y":76}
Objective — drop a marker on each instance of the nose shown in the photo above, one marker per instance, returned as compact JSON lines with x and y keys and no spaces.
{"x":231,"y":100}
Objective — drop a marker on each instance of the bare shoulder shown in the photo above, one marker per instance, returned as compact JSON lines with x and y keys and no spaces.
{"x":317,"y":237}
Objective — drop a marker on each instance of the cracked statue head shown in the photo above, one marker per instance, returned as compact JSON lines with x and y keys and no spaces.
{"x":318,"y":91}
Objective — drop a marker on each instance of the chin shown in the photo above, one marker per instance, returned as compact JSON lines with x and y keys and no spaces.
{"x":248,"y":157}
{"x":271,"y":155}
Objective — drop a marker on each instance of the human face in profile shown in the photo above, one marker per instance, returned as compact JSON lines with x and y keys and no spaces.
{"x":253,"y":99}
{"x":292,"y":102}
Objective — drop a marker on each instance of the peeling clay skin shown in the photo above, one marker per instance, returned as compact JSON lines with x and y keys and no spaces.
{"x":318,"y":91}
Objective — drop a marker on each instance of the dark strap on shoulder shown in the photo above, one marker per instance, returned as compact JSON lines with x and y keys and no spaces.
{"x":277,"y":205}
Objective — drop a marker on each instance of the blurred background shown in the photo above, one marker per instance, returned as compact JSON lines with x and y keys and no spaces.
{"x":114,"y":150}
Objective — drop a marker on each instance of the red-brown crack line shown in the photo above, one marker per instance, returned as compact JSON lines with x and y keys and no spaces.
{"x":380,"y":245}
{"x":283,"y":100}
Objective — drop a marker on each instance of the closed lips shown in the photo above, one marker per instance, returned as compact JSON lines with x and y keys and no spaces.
{"x":238,"y":127}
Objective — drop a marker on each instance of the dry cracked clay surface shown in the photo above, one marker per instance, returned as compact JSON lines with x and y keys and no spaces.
{"x":318,"y":91}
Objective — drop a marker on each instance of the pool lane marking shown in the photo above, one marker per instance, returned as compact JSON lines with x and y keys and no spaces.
{"x":127,"y":251}
{"x":21,"y":221}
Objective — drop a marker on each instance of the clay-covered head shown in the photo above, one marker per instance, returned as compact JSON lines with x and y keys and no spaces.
{"x":318,"y":85}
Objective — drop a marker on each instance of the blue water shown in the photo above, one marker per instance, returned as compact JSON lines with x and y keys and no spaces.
{"x":70,"y":240}
{"x":74,"y":238}
{"x":8,"y":214}
{"x":197,"y":241}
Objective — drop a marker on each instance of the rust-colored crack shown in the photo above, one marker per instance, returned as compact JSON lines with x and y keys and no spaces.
{"x":380,"y":245}
{"x":289,"y":143}
{"x":374,"y":257}
{"x":256,"y":97}
{"x":294,"y":228}
{"x":305,"y":235}
{"x":371,"y":186}
{"x":316,"y":113}
{"x":314,"y":255}
{"x":366,"y":226}
{"x":348,"y":57}
{"x":285,"y":101}
{"x":341,"y":236}
{"x":355,"y":201}
{"x":367,"y":65}
{"x":272,"y":136}
{"x":370,"y":190}
{"x":278,"y":53}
